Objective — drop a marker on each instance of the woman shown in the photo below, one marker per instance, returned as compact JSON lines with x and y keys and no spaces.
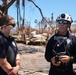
{"x":9,"y":57}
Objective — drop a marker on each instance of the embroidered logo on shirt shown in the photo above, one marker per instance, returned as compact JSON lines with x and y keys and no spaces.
{"x":68,"y":41}
{"x":13,"y":43}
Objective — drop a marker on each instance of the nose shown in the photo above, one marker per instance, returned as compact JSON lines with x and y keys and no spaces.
{"x":11,"y":26}
{"x":61,"y":25}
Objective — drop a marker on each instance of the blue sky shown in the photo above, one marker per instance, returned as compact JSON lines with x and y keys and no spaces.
{"x":47,"y":6}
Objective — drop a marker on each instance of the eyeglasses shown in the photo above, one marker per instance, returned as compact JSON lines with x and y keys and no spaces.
{"x":63,"y":22}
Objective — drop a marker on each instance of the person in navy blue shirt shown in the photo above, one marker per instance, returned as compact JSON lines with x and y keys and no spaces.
{"x":9,"y":55}
{"x":61,"y":48}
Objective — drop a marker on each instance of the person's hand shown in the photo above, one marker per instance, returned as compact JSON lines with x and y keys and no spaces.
{"x":64,"y":58}
{"x":14,"y":71}
{"x":54,"y":62}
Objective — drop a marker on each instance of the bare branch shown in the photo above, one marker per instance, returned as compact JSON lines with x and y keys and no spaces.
{"x":10,"y":3}
{"x":37,"y":7}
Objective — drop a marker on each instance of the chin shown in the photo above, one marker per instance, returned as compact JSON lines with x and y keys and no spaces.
{"x":61,"y":31}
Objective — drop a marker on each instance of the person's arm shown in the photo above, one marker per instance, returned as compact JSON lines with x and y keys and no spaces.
{"x":73,"y":58}
{"x":5,"y":65}
{"x":48,"y":50}
{"x":18,"y":61}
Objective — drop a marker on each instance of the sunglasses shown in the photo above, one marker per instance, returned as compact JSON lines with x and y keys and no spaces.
{"x":13,"y":25}
{"x":63,"y":22}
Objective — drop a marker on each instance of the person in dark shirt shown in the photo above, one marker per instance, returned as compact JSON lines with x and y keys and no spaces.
{"x":61,"y":48}
{"x":9,"y":55}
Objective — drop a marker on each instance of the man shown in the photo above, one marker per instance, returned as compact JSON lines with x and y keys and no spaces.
{"x":9,"y":57}
{"x":61,"y":48}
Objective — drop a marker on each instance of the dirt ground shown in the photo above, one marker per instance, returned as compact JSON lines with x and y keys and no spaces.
{"x":33,"y":63}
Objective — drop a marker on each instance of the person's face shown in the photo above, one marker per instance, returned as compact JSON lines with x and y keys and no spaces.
{"x":63,"y":25}
{"x":8,"y":28}
{"x":10,"y":25}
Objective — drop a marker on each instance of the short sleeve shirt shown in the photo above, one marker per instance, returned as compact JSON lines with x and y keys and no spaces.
{"x":8,"y":49}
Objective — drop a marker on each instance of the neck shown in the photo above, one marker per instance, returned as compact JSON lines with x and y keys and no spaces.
{"x":63,"y":33}
{"x":5,"y":33}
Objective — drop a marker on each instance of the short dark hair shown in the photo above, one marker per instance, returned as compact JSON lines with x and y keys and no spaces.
{"x":5,"y":20}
